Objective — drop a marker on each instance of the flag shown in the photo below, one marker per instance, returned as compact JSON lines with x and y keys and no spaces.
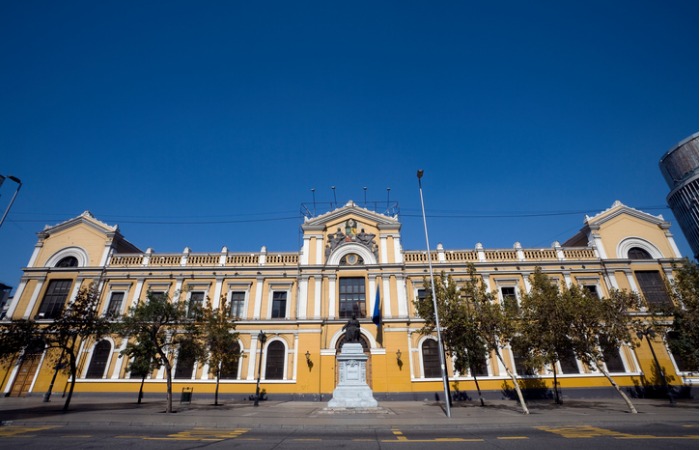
{"x":377,"y":317}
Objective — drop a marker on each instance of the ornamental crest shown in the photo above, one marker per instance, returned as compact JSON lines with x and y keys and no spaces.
{"x":350,"y":235}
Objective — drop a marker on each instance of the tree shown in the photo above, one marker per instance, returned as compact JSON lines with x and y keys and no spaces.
{"x":220,"y":340}
{"x":497,"y":326}
{"x":141,"y":353}
{"x":683,"y":336}
{"x":163,"y":327}
{"x":459,"y":335}
{"x":79,"y":321}
{"x":76,"y":323}
{"x":544,"y":325}
{"x":601,"y":325}
{"x":15,"y":337}
{"x":473,"y":323}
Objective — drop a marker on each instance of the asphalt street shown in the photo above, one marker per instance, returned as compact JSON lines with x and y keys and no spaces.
{"x":116,"y":422}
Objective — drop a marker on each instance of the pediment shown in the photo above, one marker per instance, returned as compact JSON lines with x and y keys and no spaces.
{"x":619,"y":209}
{"x":350,"y":211}
{"x":85,"y":218}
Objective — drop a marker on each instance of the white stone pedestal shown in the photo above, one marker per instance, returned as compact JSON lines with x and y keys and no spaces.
{"x":352,"y":390}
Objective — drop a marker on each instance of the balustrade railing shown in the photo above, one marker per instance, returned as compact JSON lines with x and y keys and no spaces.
{"x":283,"y":259}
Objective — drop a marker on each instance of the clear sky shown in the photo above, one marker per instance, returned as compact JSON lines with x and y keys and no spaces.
{"x":206,"y":124}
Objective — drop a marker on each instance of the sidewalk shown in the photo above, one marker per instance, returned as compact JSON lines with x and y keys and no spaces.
{"x":101,"y":410}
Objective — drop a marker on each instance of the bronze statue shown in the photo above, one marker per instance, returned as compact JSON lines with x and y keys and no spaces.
{"x":352,"y":330}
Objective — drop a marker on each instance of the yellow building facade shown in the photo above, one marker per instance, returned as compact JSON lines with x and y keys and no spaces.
{"x":351,"y":259}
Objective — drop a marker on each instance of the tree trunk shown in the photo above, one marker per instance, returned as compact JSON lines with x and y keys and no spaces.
{"x":169,"y":388}
{"x":143,"y":380}
{"x":216,"y":390}
{"x":557,"y":400}
{"x":627,"y":400}
{"x":73,"y":370}
{"x":478,"y":389}
{"x":515,"y":383}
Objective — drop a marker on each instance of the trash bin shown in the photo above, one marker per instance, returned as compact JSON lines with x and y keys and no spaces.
{"x":186,"y":396}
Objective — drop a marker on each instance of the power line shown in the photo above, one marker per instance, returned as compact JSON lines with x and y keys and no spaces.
{"x":249,"y":218}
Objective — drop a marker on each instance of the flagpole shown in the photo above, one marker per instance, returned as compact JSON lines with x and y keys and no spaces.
{"x":441,"y":349}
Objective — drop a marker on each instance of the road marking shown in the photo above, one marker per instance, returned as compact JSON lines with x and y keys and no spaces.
{"x":195,"y":434}
{"x":587,"y":431}
{"x":505,"y":438}
{"x":17,"y":431}
{"x":401,"y":438}
{"x":642,"y":436}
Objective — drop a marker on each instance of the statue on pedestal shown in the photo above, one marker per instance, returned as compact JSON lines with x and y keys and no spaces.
{"x":352,"y":330}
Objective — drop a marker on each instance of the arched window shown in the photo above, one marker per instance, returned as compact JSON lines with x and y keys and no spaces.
{"x":68,"y":261}
{"x":274,"y":366}
{"x":638,"y":253}
{"x":185,"y":361}
{"x":229,"y":367}
{"x":100,"y":358}
{"x":567,"y":362}
{"x":480,"y":368}
{"x":520,"y":357}
{"x":682,"y":352}
{"x":611,"y":356}
{"x":352,"y":259}
{"x":431,"y":359}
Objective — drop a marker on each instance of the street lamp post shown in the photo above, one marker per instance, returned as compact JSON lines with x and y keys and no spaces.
{"x":261,"y":340}
{"x":441,"y":349}
{"x":7,"y":210}
{"x":649,"y":333}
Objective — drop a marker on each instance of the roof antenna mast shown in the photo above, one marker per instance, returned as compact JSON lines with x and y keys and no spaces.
{"x":313,"y":194}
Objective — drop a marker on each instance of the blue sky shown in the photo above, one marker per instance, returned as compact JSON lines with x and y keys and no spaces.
{"x":206,"y":124}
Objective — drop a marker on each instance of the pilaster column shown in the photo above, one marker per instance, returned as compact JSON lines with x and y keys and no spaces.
{"x":33,"y":299}
{"x":216,"y":301}
{"x":331,"y":296}
{"x":318,"y":281}
{"x":402,"y":299}
{"x":258,"y":298}
{"x":302,"y":297}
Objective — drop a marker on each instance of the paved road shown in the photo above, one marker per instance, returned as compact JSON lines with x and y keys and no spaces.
{"x":584,"y":437}
{"x":117,"y":423}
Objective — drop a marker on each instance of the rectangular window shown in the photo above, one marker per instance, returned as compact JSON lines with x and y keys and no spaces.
{"x":510,"y":298}
{"x":237,"y":304}
{"x":157,"y":295}
{"x":421,"y":296}
{"x":115,"y":304}
{"x":279,"y":305}
{"x":352,"y":297}
{"x":194,"y":308}
{"x":54,"y":299}
{"x":653,"y":288}
{"x":592,"y":289}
